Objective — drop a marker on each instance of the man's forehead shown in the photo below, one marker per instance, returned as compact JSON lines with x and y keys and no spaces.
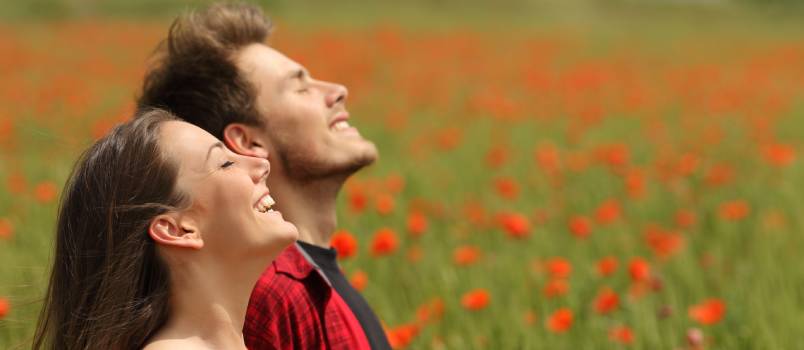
{"x":267,"y":59}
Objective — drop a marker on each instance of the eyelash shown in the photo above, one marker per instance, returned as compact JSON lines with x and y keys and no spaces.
{"x":227,"y":164}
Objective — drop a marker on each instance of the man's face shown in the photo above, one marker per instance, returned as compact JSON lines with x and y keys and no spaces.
{"x":306,"y":122}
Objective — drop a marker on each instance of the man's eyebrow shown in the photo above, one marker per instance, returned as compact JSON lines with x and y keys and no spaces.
{"x":299,"y":73}
{"x":209,"y":151}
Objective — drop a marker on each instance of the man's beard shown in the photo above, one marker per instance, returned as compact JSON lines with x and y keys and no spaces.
{"x":304,"y":168}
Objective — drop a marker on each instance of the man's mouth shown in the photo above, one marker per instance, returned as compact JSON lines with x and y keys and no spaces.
{"x":340,"y":122}
{"x":264,"y":204}
{"x":340,"y":125}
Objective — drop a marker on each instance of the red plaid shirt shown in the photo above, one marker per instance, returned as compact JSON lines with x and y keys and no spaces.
{"x":294,"y":307}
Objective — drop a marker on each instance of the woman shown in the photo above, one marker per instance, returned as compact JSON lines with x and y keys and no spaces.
{"x":162,"y":233}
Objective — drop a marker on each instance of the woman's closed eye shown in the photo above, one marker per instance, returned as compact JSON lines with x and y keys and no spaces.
{"x":227,"y":164}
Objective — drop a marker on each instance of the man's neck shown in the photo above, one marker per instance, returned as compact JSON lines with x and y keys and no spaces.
{"x":311,"y":207}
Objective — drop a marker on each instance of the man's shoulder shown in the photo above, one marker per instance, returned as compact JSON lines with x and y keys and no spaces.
{"x":287,"y":303}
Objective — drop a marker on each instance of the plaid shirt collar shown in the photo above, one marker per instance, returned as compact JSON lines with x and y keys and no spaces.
{"x":294,"y":263}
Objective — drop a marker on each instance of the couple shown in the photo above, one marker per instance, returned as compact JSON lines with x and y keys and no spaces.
{"x":166,"y":224}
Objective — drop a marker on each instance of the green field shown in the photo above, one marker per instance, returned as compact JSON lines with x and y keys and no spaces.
{"x":529,"y":137}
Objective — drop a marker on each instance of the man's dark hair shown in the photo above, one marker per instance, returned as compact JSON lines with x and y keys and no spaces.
{"x":193,"y":73}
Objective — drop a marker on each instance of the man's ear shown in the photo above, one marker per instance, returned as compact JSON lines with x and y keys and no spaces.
{"x":167,"y":230}
{"x":246,"y":140}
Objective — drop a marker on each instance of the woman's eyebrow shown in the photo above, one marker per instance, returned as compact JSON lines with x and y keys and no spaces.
{"x":209,"y":151}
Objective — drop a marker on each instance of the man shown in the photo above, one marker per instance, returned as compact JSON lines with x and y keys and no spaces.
{"x":215,"y":71}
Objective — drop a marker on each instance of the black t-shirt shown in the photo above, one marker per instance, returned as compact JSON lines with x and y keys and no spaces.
{"x":326,"y":260}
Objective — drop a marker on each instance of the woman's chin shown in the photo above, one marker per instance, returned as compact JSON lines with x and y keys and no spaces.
{"x":283,"y":232}
{"x":291,"y":233}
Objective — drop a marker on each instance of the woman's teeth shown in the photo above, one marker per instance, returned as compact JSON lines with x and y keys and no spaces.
{"x":265,"y":204}
{"x":341,"y":125}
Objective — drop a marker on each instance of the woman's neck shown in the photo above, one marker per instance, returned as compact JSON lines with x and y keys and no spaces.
{"x":208,"y":303}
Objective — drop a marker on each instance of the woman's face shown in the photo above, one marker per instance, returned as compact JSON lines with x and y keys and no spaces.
{"x":230,"y":204}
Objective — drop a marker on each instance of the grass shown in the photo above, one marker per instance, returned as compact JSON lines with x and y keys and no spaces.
{"x":438,"y":90}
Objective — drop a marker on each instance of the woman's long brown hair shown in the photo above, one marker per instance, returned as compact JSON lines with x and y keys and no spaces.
{"x":108,"y":287}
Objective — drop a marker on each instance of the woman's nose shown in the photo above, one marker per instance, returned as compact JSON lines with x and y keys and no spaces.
{"x":259,"y":168}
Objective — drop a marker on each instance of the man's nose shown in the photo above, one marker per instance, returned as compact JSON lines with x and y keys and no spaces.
{"x":337,"y":95}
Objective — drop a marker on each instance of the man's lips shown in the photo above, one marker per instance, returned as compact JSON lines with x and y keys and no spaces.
{"x":340,"y":117}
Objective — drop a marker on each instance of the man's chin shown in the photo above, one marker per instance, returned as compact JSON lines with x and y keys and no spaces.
{"x":337,"y":169}
{"x":370,"y":153}
{"x":365,"y":157}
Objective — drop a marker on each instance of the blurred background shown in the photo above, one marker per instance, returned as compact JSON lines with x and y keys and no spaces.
{"x":553,"y":174}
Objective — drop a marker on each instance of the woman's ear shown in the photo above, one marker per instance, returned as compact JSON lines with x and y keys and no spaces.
{"x":169,"y":230}
{"x":245,"y":140}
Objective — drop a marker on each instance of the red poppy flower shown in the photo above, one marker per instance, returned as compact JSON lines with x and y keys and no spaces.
{"x":384,"y":243}
{"x":476,"y":299}
{"x":417,"y":224}
{"x":357,"y":200}
{"x":663,"y":244}
{"x":622,"y":335}
{"x":466,"y":255}
{"x":5,"y":306}
{"x":506,"y":187}
{"x":559,"y":268}
{"x":359,"y":280}
{"x":615,"y":155}
{"x":401,"y":336}
{"x":639,"y":269}
{"x":607,"y":266}
{"x":687,"y":164}
{"x":45,"y":192}
{"x":779,"y":155}
{"x":709,"y":312}
{"x":580,"y":226}
{"x":547,"y":158}
{"x":606,"y":301}
{"x":449,"y":138}
{"x":515,"y":225}
{"x":560,"y":321}
{"x":685,"y":218}
{"x":344,"y":243}
{"x":635,"y":183}
{"x":556,"y":288}
{"x":734,"y":210}
{"x":430,"y":311}
{"x":6,"y":228}
{"x":608,"y":212}
{"x":384,"y":204}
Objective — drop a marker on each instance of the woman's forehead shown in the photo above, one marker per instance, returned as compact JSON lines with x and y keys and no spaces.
{"x":189,"y":145}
